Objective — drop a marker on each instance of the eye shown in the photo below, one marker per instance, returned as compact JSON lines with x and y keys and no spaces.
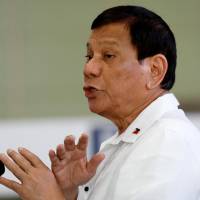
{"x":88,"y":57}
{"x":108,"y":56}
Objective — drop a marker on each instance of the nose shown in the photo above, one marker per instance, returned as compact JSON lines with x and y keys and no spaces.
{"x":92,"y":68}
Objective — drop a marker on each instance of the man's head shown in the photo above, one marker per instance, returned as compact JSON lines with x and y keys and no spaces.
{"x":131,"y":57}
{"x":149,"y":34}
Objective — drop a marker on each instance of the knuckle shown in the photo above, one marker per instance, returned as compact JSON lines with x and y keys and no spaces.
{"x":12,"y":153}
{"x":13,"y":186}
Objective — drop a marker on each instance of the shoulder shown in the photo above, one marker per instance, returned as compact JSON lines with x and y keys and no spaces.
{"x":171,"y":138}
{"x":164,"y":157}
{"x":176,"y":127}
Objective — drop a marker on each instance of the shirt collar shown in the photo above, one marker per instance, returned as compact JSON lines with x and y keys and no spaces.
{"x":145,"y":119}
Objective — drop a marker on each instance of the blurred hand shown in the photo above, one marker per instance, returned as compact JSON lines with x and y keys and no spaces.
{"x":37,"y":181}
{"x":70,"y":165}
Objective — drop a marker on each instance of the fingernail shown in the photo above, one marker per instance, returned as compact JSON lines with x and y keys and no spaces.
{"x":20,"y":148}
{"x":70,"y":137}
{"x":9,"y":151}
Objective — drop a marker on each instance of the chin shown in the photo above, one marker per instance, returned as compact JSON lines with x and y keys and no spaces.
{"x":100,"y":110}
{"x":96,"y":107}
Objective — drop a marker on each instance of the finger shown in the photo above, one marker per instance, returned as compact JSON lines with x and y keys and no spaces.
{"x":54,"y":159}
{"x":69,"y":143}
{"x":31,"y":157}
{"x":19,"y":160}
{"x":60,"y":151}
{"x":94,"y":163}
{"x":52,"y":155}
{"x":83,"y":142}
{"x":13,"y":167}
{"x":13,"y":185}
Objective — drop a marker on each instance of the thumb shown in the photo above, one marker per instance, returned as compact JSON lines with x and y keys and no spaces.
{"x":94,"y":163}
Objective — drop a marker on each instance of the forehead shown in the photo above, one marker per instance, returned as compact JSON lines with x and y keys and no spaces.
{"x":115,"y":34}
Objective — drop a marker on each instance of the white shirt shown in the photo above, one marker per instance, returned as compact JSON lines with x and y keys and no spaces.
{"x":156,"y":158}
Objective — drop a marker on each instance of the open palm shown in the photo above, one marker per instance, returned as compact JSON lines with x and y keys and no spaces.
{"x":69,"y":163}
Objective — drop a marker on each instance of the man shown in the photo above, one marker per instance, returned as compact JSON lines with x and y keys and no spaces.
{"x":130,"y":68}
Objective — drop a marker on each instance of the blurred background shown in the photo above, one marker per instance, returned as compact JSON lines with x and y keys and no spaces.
{"x":42,"y":53}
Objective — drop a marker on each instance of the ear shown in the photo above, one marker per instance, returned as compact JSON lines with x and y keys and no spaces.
{"x":158,"y":68}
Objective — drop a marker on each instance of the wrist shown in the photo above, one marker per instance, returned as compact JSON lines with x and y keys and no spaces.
{"x":71,"y":194}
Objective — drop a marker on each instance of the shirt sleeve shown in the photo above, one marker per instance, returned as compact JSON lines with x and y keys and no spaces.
{"x":165,"y":184}
{"x":167,"y":170}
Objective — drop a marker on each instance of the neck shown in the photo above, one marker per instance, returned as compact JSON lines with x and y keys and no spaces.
{"x":122,"y":121}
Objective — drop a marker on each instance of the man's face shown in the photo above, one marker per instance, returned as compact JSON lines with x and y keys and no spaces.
{"x":114,"y":80}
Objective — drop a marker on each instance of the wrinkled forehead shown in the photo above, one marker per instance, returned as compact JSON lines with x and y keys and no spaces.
{"x":103,"y":42}
{"x":112,"y":34}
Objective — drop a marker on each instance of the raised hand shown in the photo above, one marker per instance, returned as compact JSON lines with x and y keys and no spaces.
{"x":70,"y":165}
{"x":37,"y":182}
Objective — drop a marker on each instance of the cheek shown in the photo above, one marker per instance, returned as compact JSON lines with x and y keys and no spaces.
{"x":130,"y":86}
{"x":117,"y":88}
{"x":112,"y":83}
{"x":122,"y":82}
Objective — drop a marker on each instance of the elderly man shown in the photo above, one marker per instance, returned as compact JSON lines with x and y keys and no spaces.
{"x":130,"y":68}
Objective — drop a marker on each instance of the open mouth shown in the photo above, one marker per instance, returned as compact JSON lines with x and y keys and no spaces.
{"x":90,"y":91}
{"x":89,"y":88}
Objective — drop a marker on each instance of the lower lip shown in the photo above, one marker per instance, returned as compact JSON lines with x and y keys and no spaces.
{"x":90,"y":93}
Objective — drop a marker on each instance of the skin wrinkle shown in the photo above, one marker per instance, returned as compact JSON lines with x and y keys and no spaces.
{"x":123,"y":123}
{"x":122,"y":81}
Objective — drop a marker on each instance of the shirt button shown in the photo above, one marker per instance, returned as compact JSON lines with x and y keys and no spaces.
{"x":86,"y":188}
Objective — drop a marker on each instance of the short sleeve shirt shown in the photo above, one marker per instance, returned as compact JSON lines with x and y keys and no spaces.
{"x":156,"y":158}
